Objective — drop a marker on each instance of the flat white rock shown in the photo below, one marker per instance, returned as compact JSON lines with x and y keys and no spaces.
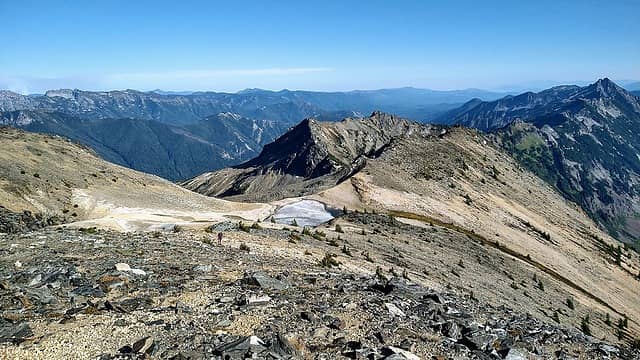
{"x":394,"y":310}
{"x":126,"y":267}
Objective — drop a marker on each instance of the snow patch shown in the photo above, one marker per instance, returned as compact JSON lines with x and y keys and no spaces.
{"x":305,"y":213}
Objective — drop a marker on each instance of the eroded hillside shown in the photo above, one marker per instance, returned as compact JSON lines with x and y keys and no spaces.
{"x":581,"y":140}
{"x":51,"y":175}
{"x":459,"y":181}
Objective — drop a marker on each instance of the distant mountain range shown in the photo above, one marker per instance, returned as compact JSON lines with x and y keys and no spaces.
{"x":582,"y":140}
{"x":178,"y":136}
{"x":634,"y":86}
{"x":285,"y":105}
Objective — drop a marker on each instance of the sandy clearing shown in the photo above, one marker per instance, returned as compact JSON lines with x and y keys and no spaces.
{"x":116,"y":211}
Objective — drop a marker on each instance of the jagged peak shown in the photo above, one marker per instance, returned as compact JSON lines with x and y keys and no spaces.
{"x":605,"y":81}
{"x":607,"y":84}
{"x":313,"y":148}
{"x":381,"y":115}
{"x":378,"y":113}
{"x":307,"y":123}
{"x":384,"y":118}
{"x":603,"y":88}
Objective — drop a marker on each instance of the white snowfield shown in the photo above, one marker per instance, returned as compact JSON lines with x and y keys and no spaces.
{"x":305,"y":213}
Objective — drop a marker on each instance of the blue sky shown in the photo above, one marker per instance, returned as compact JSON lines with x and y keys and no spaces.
{"x":316,"y":45}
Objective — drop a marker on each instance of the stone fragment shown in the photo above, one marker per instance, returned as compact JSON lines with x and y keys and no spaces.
{"x":517,"y":354}
{"x":335,"y":323}
{"x":308,"y":316}
{"x":396,"y":353}
{"x":14,"y":333}
{"x":394,"y":310}
{"x":452,"y":330}
{"x":203,"y":268}
{"x":608,"y":349}
{"x":264,"y":281}
{"x":144,"y":346}
{"x":241,"y":348}
{"x":127,"y":349}
{"x":479,"y":340}
{"x":254,"y":300}
{"x":125,"y":267}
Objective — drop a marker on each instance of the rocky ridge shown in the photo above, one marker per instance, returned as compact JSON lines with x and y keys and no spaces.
{"x":310,"y":157}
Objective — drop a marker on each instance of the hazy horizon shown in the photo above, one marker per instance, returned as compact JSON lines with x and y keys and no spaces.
{"x":517,"y":88}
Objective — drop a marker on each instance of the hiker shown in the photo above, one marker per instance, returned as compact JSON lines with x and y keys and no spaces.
{"x":220,"y":238}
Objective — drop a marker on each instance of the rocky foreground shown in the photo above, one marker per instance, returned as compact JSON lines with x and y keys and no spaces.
{"x":84,"y":294}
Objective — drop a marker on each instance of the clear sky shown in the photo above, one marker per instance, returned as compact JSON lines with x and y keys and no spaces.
{"x":315,"y":45}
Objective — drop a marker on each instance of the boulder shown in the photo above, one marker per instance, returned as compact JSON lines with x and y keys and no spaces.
{"x":264,"y":281}
{"x":517,"y":354}
{"x":394,"y":310}
{"x":14,"y":333}
{"x":396,"y":353}
{"x":125,"y":267}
